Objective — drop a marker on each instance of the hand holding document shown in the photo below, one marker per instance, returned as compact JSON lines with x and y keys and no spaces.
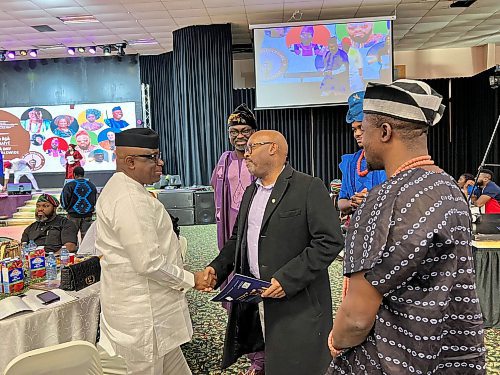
{"x":242,"y":289}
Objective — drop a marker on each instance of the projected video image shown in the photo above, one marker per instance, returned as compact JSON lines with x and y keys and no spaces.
{"x":320,"y":64}
{"x":41,"y":135}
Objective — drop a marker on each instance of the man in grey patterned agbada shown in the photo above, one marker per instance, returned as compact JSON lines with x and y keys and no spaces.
{"x":412,"y":306}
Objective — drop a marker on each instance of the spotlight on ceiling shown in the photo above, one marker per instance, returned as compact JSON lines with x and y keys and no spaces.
{"x":81,"y":49}
{"x":2,"y":55}
{"x":107,"y":50}
{"x":121,"y":48}
{"x":11,"y":54}
{"x":92,"y":50}
{"x":71,"y":51}
{"x":23,"y":52}
{"x":33,"y":53}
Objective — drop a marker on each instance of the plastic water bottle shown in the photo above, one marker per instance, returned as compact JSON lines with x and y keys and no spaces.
{"x":64,"y":257}
{"x":26,"y":263}
{"x":31,"y":245}
{"x":51,"y":267}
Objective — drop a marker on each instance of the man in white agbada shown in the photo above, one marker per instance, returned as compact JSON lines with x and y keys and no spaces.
{"x":20,"y":168}
{"x":144,"y":311}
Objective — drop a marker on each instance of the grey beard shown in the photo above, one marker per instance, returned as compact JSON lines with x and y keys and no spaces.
{"x":43,"y":219}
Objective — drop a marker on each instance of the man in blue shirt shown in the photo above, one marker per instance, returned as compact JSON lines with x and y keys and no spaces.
{"x":116,"y":122}
{"x":490,"y":195}
{"x":78,"y":198}
{"x":356,"y":179}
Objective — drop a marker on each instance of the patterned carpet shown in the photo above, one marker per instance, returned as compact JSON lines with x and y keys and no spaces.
{"x":204,"y":352}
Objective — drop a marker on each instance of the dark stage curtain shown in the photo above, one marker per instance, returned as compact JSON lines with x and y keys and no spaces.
{"x":318,"y":137}
{"x":158,"y":72}
{"x":475,"y":108}
{"x":192,"y":99}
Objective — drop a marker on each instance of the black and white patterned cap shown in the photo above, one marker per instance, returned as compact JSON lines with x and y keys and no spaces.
{"x":404,"y":99}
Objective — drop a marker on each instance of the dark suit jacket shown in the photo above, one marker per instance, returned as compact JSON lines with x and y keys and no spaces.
{"x":300,"y":237}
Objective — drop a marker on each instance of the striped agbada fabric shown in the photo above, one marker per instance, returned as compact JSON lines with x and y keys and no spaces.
{"x":404,"y":99}
{"x":412,"y":236}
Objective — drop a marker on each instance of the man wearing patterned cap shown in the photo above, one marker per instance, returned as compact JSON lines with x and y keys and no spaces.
{"x":51,"y":230}
{"x":412,"y":306}
{"x":230,"y":178}
{"x":357,"y":180}
{"x":92,"y":115}
{"x":145,"y":316}
{"x":306,"y":47}
{"x":116,"y":122}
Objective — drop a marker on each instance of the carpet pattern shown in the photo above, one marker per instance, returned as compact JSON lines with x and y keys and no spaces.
{"x":204,"y":352}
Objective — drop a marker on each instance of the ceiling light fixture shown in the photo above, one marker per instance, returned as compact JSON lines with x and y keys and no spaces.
{"x":71,"y":51}
{"x":107,"y":50}
{"x":121,"y":48}
{"x":92,"y":50}
{"x":23,"y":52}
{"x":11,"y":55}
{"x":81,"y":49}
{"x":33,"y":53}
{"x":68,"y":20}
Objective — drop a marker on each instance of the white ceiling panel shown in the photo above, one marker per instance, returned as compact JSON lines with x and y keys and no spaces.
{"x":419,"y":23}
{"x":183,"y":5}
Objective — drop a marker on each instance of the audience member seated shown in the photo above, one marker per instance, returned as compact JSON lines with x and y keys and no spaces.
{"x":50,"y":230}
{"x":490,"y":195}
{"x":466,"y":183}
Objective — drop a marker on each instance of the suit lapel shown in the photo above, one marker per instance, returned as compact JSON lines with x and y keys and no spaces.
{"x":277,"y":194}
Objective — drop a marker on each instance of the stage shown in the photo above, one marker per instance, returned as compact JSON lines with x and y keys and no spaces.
{"x":10,"y":203}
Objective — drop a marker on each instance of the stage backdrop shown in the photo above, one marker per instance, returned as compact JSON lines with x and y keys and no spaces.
{"x":41,"y":134}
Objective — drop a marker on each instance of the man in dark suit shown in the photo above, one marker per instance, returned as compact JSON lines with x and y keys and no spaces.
{"x":287,"y":233}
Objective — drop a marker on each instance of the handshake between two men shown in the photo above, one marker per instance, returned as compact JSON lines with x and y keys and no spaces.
{"x":206,"y":280}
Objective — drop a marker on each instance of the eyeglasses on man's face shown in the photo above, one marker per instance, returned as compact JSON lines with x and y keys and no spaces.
{"x":245,"y":132}
{"x":250,"y":147}
{"x":156,"y":157}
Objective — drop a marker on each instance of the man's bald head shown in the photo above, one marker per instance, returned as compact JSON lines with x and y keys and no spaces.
{"x":277,"y":138}
{"x":265,"y":154}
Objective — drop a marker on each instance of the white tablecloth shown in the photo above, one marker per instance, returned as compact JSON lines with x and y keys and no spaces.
{"x":75,"y":320}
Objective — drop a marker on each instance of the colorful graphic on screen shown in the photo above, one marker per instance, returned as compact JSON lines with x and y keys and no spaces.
{"x":320,"y":64}
{"x":41,"y":134}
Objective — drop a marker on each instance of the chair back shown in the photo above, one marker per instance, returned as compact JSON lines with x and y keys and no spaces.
{"x":9,"y":248}
{"x":73,"y":358}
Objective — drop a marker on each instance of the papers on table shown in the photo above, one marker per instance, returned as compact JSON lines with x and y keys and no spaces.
{"x":29,"y":302}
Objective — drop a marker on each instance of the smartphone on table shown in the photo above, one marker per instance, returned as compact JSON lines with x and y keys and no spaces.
{"x":48,"y":297}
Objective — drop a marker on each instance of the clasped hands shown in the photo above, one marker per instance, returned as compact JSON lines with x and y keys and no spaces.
{"x":358,"y":198}
{"x":205,"y":282}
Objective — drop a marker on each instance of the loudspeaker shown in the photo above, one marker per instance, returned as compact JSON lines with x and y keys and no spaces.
{"x":204,"y":207}
{"x":180,"y":198}
{"x":21,"y":188}
{"x":185,"y":215}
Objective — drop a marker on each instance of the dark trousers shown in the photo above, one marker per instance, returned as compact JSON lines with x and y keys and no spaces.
{"x":82,"y":224}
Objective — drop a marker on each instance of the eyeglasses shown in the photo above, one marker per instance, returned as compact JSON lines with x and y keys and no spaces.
{"x":153,"y":157}
{"x":246,"y":132}
{"x":250,"y":148}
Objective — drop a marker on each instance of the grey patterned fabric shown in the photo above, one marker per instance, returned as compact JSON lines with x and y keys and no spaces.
{"x":404,"y":99}
{"x":412,"y":236}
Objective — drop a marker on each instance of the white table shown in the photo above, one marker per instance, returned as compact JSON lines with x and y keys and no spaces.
{"x":75,"y":320}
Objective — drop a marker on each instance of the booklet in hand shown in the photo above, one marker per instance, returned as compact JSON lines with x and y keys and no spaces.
{"x":242,"y":289}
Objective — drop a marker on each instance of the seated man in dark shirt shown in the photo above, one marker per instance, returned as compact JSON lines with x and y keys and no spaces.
{"x":50,"y":230}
